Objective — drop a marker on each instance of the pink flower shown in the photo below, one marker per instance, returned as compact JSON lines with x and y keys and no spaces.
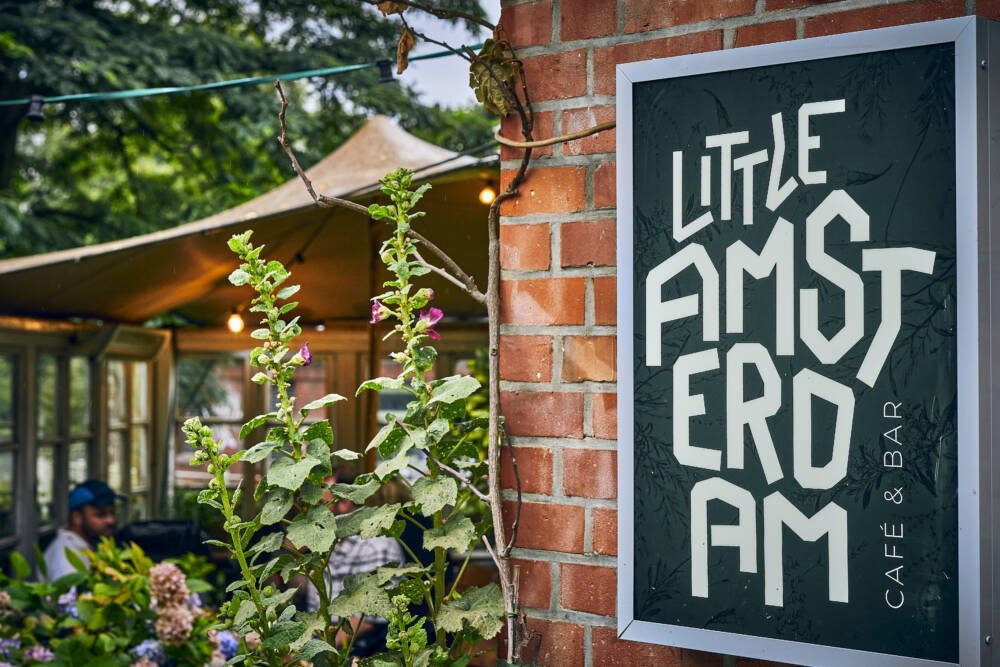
{"x":168,"y":586}
{"x":430,"y":294}
{"x":4,"y":599}
{"x":304,"y":353}
{"x":378,"y":312}
{"x":174,"y":625}
{"x":428,"y":318}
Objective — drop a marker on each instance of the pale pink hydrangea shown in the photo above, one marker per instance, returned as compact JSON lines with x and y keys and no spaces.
{"x":174,"y":625}
{"x":39,"y":653}
{"x":144,"y":662}
{"x":4,"y":599}
{"x":168,"y":586}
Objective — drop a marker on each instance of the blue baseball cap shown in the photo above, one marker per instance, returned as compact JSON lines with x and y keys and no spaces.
{"x":92,"y":492}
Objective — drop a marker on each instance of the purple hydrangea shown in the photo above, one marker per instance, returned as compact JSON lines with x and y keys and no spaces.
{"x":7,"y":644}
{"x":228,"y":644}
{"x":39,"y":653}
{"x":151,"y":650}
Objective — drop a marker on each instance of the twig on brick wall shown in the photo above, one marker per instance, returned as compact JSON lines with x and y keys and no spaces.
{"x":465,"y":281}
{"x":554,"y":140}
{"x":517,"y":477}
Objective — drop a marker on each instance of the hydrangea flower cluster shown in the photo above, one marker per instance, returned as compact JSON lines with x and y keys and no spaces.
{"x":39,"y":653}
{"x":170,"y":594}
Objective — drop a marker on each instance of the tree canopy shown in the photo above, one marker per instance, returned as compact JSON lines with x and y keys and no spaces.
{"x":98,"y":171}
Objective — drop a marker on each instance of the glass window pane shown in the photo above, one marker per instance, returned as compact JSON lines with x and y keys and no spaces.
{"x":79,"y":462}
{"x":140,"y":391}
{"x":139,"y":461}
{"x":139,"y":509}
{"x":45,"y":480}
{"x":8,"y":463}
{"x":8,"y":380}
{"x":116,"y":457}
{"x":79,"y":395}
{"x":116,"y":392}
{"x":48,"y":404}
{"x":210,"y":387}
{"x":308,"y":384}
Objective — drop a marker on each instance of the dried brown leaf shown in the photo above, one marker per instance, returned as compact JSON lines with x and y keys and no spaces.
{"x":406,"y":42}
{"x":388,"y":8}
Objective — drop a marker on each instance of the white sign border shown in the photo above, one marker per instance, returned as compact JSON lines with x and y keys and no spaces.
{"x":970,"y":36}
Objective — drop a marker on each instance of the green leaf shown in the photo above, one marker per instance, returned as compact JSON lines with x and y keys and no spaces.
{"x":356,"y":493}
{"x":257,"y":421}
{"x":239,"y":277}
{"x":434,"y":493}
{"x":316,"y":531}
{"x":77,"y":562}
{"x":397,"y":461}
{"x":454,"y":388}
{"x":387,"y":436}
{"x":260,"y":451}
{"x":278,"y":502}
{"x":270,"y":542}
{"x":457,"y":533}
{"x":311,"y":492}
{"x":286,"y":292}
{"x":246,"y":611}
{"x":424,"y":357}
{"x":329,"y":399}
{"x":364,"y":592}
{"x":368,"y":522}
{"x":437,"y":430}
{"x":236,"y":585}
{"x":347,"y":454}
{"x":379,"y":384}
{"x":319,"y":431}
{"x":290,"y":474}
{"x":20,"y":565}
{"x":312,"y":648}
{"x":260,"y":334}
{"x":283,"y":634}
{"x":480,"y":609}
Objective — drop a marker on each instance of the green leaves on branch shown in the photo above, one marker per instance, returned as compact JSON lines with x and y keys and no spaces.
{"x":480,"y":609}
{"x":457,"y":533}
{"x":316,"y":531}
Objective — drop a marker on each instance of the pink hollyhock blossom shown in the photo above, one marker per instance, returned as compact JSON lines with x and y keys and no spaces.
{"x":378,"y":312}
{"x":305,"y":354}
{"x":428,"y":318}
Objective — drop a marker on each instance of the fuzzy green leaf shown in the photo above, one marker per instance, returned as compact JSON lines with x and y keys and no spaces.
{"x":379,"y":384}
{"x":278,"y":502}
{"x":269,"y":542}
{"x":286,"y":292}
{"x":316,"y":531}
{"x":261,"y":451}
{"x":239,"y":277}
{"x":347,"y":455}
{"x":356,"y":493}
{"x":246,"y":611}
{"x":329,"y":399}
{"x":311,"y":492}
{"x":283,"y":634}
{"x":364,"y":593}
{"x":290,"y":474}
{"x":479,"y":608}
{"x":320,"y":430}
{"x":395,"y":461}
{"x":434,"y":493}
{"x":457,"y":533}
{"x":454,"y":388}
{"x":257,"y":421}
{"x":312,"y":648}
{"x":368,"y":522}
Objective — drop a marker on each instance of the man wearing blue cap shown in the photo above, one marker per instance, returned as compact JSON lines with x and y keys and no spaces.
{"x":91,"y":517}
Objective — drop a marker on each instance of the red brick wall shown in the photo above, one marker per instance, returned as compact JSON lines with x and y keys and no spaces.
{"x":557,"y":350}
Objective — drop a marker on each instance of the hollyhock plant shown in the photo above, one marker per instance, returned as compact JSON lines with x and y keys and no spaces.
{"x":428,"y":318}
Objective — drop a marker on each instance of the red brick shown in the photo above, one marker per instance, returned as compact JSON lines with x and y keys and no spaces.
{"x":773,"y":5}
{"x":536,"y":583}
{"x":583,"y":243}
{"x":604,"y":186}
{"x":642,"y":15}
{"x":986,"y":8}
{"x":578,"y":120}
{"x":542,"y":128}
{"x":588,"y":358}
{"x":605,"y":300}
{"x":884,"y":16}
{"x":582,"y":19}
{"x":542,"y":301}
{"x":606,"y":416}
{"x":557,"y":76}
{"x":605,"y":534}
{"x":524,"y":247}
{"x":765,"y":33}
{"x":561,"y":643}
{"x":528,"y":24}
{"x":534,"y":467}
{"x":587,"y":588}
{"x":609,"y":651}
{"x":590,"y":473}
{"x":606,"y":58}
{"x":546,"y":190}
{"x":526,"y":358}
{"x":553,"y":414}
{"x":545,"y":526}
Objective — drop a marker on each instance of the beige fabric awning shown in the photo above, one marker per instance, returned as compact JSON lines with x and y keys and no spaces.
{"x":184,"y":269}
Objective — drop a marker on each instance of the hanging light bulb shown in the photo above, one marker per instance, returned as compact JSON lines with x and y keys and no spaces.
{"x":487,"y":195}
{"x":235,"y":322}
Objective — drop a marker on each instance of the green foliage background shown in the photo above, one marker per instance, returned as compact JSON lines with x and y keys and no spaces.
{"x":95,"y":172}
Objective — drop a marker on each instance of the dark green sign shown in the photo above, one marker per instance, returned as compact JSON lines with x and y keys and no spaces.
{"x":793,"y":334}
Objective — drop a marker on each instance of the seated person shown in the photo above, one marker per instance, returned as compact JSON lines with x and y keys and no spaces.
{"x":91,"y":517}
{"x":352,"y":555}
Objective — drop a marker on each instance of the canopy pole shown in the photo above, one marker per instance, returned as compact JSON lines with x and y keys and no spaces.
{"x":371,"y":418}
